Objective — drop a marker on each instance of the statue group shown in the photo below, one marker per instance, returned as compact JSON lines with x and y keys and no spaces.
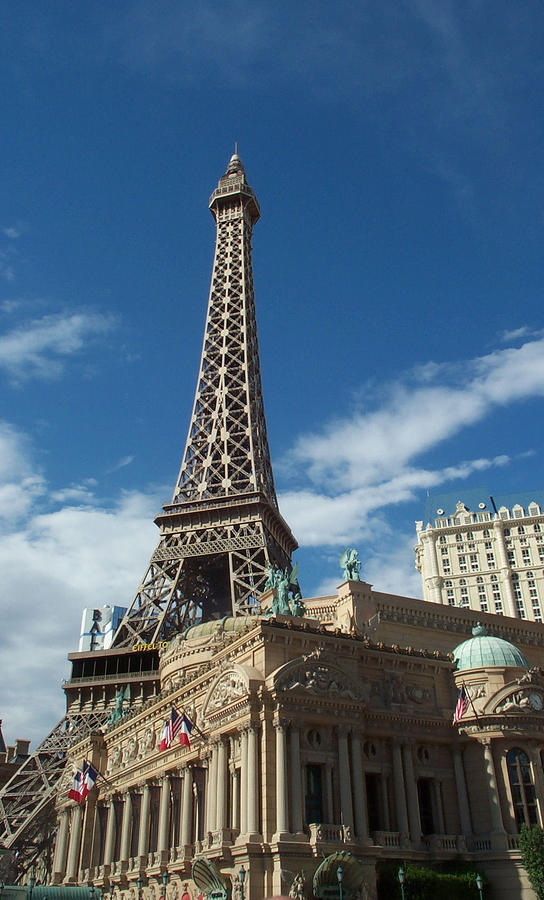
{"x":287,"y":599}
{"x":351,"y":564}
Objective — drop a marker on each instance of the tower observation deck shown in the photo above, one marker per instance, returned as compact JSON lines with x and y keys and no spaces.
{"x":222,"y":529}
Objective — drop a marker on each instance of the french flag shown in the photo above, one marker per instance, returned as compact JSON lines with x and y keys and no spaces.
{"x":176,"y":724}
{"x":84,"y":781}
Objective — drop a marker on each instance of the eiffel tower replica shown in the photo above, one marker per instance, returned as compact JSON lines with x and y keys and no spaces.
{"x":223,"y":530}
{"x":218,"y":537}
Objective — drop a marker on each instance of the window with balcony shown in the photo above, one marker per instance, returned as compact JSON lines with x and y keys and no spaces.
{"x":373,"y":783}
{"x":425,"y":798}
{"x":314,"y":794}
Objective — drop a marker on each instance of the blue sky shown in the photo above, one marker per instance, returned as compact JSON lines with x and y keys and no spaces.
{"x":396,"y":151}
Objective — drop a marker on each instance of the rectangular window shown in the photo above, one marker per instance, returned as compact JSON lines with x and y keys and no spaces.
{"x":521,"y":609}
{"x":462,"y":564}
{"x":450,"y":597}
{"x":511,"y":558}
{"x":537,"y":612}
{"x":447,"y":567}
{"x":474,"y":562}
{"x":373,"y":801}
{"x":541,"y":554}
{"x":526,"y":555}
{"x":490,"y":560}
{"x":425,"y":798}
{"x":488,"y":545}
{"x":314,"y":794}
{"x":464,"y":597}
{"x":482,"y":598}
{"x":135,"y":822}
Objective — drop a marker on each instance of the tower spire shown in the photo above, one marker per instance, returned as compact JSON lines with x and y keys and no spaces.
{"x":223,"y":529}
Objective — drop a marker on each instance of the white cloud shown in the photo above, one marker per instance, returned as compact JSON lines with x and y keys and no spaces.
{"x":39,"y":348}
{"x":368,"y":461}
{"x":53,"y":564}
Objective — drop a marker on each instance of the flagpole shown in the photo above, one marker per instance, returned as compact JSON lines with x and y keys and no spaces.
{"x":471,"y":703}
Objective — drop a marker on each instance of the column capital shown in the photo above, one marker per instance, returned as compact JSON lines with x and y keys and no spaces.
{"x":281,"y":723}
{"x":343,"y":730}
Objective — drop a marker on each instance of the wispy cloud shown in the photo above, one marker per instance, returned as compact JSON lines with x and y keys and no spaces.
{"x":368,"y":461}
{"x":12,"y":232}
{"x":121,"y":464}
{"x":40,"y":347}
{"x":508,"y":337}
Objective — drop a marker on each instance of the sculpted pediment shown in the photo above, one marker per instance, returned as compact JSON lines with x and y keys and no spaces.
{"x":232,"y":686}
{"x":524,"y":695}
{"x":317,"y":673}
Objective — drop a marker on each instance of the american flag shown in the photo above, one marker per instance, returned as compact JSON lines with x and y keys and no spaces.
{"x":462,"y":705}
{"x":84,"y":780}
{"x":176,"y":724}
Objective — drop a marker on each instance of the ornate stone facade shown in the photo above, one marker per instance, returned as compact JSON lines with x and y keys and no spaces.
{"x":313,"y":735}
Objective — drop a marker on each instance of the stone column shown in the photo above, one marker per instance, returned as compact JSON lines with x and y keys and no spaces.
{"x":411,"y":793}
{"x":432,"y":577}
{"x":346,"y":805}
{"x":110,"y":835}
{"x":329,"y":811}
{"x":59,"y":860}
{"x":143,"y":836}
{"x":296,"y":785}
{"x":507,"y":592}
{"x":164,"y":816}
{"x":282,"y":814}
{"x":243,"y":783}
{"x":126,"y":828}
{"x":497,"y":825}
{"x":73,"y":847}
{"x":385,"y":802}
{"x":252,"y":782}
{"x":440,"y":826}
{"x":187,"y":808}
{"x":359,"y":788}
{"x":462,"y":796}
{"x":211,"y":804}
{"x":400,"y":794}
{"x":235,"y":810}
{"x":538,"y":779}
{"x":221,"y":811}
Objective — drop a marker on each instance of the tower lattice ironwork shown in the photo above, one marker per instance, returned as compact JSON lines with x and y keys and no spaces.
{"x":223,"y":528}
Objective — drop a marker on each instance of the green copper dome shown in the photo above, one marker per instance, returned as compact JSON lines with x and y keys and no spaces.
{"x":483,"y":650}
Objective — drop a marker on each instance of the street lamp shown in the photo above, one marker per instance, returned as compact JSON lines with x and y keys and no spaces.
{"x":139,"y":883}
{"x":401,"y":877}
{"x":242,"y":877}
{"x":480,"y":885}
{"x":340,"y":876}
{"x":165,"y":877}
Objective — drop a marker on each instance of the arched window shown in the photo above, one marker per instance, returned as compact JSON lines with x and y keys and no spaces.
{"x":522,"y":787}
